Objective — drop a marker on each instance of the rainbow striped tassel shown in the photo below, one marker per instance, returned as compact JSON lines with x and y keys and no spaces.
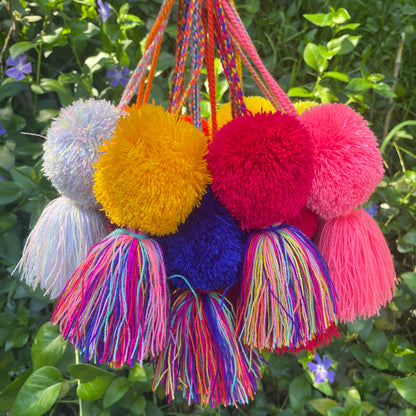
{"x":58,"y":243}
{"x":287,"y":299}
{"x":115,"y":308}
{"x":203,"y":357}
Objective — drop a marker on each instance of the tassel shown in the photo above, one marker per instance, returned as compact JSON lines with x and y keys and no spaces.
{"x":360,"y":264}
{"x":203,"y":356}
{"x":59,"y":241}
{"x":287,"y":298}
{"x":115,"y":308}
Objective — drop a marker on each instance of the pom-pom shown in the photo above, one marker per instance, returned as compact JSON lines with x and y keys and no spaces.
{"x":207,"y":249}
{"x":153,"y":173}
{"x":301,"y":106}
{"x":360,"y":264}
{"x":72,"y":147}
{"x":262,"y":168}
{"x":307,"y":222}
{"x":287,"y":298}
{"x":348,"y":164}
{"x":203,"y":357}
{"x":253,"y":104}
{"x":57,"y":244}
{"x":115,"y":308}
{"x":204,"y":124}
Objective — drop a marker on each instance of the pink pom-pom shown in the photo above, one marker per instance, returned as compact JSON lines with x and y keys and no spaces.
{"x":348,"y":164}
{"x":262,"y":168}
{"x":359,"y":262}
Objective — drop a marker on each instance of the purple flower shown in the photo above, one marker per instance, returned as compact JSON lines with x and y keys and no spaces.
{"x":118,"y":76}
{"x":321,"y":369}
{"x":19,"y":67}
{"x":372,"y":209}
{"x":104,"y":9}
{"x":2,"y":129}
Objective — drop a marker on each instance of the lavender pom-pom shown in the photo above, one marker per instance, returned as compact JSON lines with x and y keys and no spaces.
{"x":72,"y":147}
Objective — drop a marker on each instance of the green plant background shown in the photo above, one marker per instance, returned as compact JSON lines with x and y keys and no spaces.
{"x":362,"y":54}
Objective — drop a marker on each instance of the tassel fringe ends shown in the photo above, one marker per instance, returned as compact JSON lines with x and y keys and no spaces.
{"x":58,"y":243}
{"x":287,"y":300}
{"x":203,"y":357}
{"x":360,"y":264}
{"x":115,"y":308}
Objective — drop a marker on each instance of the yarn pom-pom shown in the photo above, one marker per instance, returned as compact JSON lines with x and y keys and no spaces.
{"x":262,"y":168}
{"x":72,"y":147}
{"x":253,"y":104}
{"x":287,"y":298}
{"x":207,"y":249}
{"x":307,"y":222}
{"x":348,"y":164}
{"x":203,"y":357}
{"x":153,"y":172}
{"x":360,"y":264}
{"x":57,"y":244}
{"x":204,"y":124}
{"x":115,"y":308}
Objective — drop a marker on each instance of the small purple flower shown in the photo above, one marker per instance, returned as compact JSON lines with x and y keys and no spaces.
{"x":321,"y":369}
{"x":104,"y":10}
{"x":372,"y":209}
{"x":2,"y":129}
{"x":19,"y":67}
{"x":118,"y":76}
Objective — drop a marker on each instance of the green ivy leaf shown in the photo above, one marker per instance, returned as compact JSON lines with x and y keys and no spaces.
{"x":406,"y":388}
{"x":93,"y":390}
{"x":117,"y":389}
{"x":48,"y":347}
{"x":87,"y":372}
{"x":314,"y":58}
{"x":38,"y":393}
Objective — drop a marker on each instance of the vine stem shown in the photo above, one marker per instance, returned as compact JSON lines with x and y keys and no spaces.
{"x":79,"y":382}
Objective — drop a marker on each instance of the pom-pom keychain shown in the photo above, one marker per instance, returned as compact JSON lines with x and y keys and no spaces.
{"x":348,"y":166}
{"x":207,"y":249}
{"x":71,"y":224}
{"x":203,"y":356}
{"x":360,"y":263}
{"x":153,"y":172}
{"x":115,"y":308}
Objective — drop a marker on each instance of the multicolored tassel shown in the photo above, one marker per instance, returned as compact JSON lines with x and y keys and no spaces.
{"x":58,"y":243}
{"x":203,"y":356}
{"x":287,"y":298}
{"x":115,"y":308}
{"x":360,"y":264}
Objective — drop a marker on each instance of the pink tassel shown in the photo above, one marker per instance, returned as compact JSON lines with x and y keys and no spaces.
{"x":115,"y":308}
{"x":360,"y":264}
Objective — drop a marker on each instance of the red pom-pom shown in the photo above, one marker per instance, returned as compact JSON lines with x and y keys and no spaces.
{"x":307,"y":222}
{"x":262,"y":168}
{"x":204,"y":124}
{"x":348,"y":164}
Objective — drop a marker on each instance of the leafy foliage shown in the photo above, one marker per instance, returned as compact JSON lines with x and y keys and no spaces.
{"x":362,"y":56}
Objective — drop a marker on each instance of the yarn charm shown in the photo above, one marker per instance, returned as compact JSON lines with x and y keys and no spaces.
{"x":115,"y":308}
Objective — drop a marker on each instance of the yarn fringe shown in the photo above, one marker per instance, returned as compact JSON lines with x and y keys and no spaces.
{"x":360,"y":264}
{"x":203,"y":357}
{"x":287,"y":298}
{"x":58,"y":243}
{"x":115,"y":308}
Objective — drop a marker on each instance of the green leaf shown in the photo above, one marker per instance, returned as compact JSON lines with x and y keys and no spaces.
{"x":9,"y":192}
{"x":376,"y":341}
{"x":299,"y":392}
{"x":9,"y":394}
{"x":48,"y":347}
{"x":38,"y":393}
{"x":340,"y":16}
{"x":336,"y":75}
{"x":83,"y":30}
{"x":344,"y":44}
{"x":152,"y":409}
{"x":137,"y":373}
{"x":11,"y":88}
{"x":358,"y":85}
{"x":314,"y":58}
{"x":117,"y":389}
{"x":18,"y":338}
{"x":337,"y":411}
{"x":410,"y":280}
{"x":7,"y":159}
{"x":94,"y":63}
{"x":299,"y":92}
{"x":93,"y":390}
{"x":319,"y":19}
{"x":351,"y":26}
{"x":21,"y":47}
{"x":138,"y":406}
{"x":7,"y":221}
{"x":87,"y":372}
{"x":384,"y":90}
{"x":322,"y":405}
{"x":406,"y":388}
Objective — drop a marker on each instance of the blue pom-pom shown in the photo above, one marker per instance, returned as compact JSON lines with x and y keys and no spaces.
{"x":207,"y":249}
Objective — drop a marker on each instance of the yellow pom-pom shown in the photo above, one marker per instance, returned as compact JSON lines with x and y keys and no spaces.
{"x":302,"y":106}
{"x":153,"y":172}
{"x":253,"y":104}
